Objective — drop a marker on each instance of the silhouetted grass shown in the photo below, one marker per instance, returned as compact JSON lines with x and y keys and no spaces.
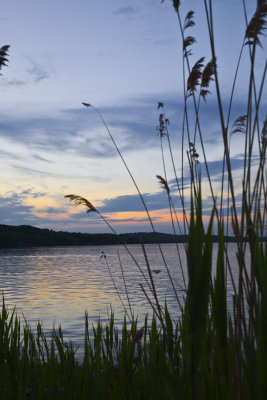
{"x":199,"y":356}
{"x":209,"y":352}
{"x":221,"y":355}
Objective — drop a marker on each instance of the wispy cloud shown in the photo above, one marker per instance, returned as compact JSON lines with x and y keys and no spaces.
{"x":125,"y":11}
{"x":53,"y":210}
{"x":13,"y":211}
{"x":81,"y":132}
{"x":34,"y":73}
{"x":41,"y":140}
{"x":30,"y":192}
{"x":39,"y":158}
{"x":163,"y":42}
{"x":37,"y":172}
{"x":14,"y":82}
{"x":132,"y":124}
{"x":9,"y":155}
{"x":37,"y":72}
{"x":132,"y":203}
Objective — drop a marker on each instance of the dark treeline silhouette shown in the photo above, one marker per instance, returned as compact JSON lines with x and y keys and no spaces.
{"x":29,"y":236}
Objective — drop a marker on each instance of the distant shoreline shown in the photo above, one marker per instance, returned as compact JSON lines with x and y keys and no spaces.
{"x":29,"y":236}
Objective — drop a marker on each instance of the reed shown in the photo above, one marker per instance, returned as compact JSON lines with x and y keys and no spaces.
{"x":3,"y":56}
{"x":217,"y":345}
{"x":212,"y":350}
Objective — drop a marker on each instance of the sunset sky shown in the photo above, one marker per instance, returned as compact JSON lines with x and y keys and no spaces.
{"x":123,"y":57}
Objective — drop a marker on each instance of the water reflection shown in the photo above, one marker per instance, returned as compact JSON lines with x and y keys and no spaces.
{"x":56,"y":285}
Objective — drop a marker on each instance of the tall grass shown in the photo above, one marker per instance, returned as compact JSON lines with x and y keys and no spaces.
{"x":219,"y":346}
{"x":214,"y":350}
{"x":199,"y":356}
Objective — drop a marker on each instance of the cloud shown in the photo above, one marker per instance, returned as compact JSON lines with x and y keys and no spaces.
{"x":33,"y":171}
{"x":9,"y":155}
{"x":163,"y":42}
{"x":32,"y":193}
{"x":53,"y":210}
{"x":133,"y":125}
{"x":94,"y":218}
{"x":37,"y":72}
{"x":131,"y":220}
{"x":216,"y":167}
{"x":80,"y":132}
{"x":14,"y":82}
{"x":125,"y":11}
{"x":39,"y":158}
{"x":133,"y":203}
{"x":12,"y":210}
{"x":23,"y":192}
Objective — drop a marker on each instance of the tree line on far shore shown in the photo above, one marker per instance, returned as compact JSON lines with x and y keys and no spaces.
{"x":29,"y":236}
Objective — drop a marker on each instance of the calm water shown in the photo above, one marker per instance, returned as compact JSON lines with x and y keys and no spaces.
{"x":57,"y":285}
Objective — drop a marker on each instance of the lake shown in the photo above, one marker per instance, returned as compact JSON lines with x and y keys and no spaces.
{"x":56,"y":285}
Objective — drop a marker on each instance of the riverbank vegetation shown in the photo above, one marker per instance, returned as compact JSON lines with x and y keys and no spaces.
{"x":210,"y":352}
{"x":30,"y":236}
{"x":215,"y":349}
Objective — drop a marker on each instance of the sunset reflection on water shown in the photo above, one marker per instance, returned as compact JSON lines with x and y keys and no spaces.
{"x":56,"y":285}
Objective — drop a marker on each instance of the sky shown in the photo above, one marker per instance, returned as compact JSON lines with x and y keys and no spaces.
{"x":123,"y":57}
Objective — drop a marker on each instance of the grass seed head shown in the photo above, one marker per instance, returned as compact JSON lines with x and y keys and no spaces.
{"x":3,"y":56}
{"x":78,"y":200}
{"x":163,"y":183}
{"x":257,"y":25}
{"x":175,"y":3}
{"x":188,"y":41}
{"x":195,"y":76}
{"x":239,"y":126}
{"x":208,"y":73}
{"x":162,"y":125}
{"x":188,"y":22}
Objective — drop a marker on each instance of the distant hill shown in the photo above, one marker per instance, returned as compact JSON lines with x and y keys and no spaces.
{"x":29,"y":236}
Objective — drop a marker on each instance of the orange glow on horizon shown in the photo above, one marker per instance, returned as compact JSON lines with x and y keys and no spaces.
{"x":140,"y":217}
{"x":40,"y":203}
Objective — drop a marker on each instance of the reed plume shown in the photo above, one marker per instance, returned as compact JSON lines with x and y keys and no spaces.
{"x":189,"y":40}
{"x":195,"y":76}
{"x":163,"y":183}
{"x":256,"y":26}
{"x":175,"y":3}
{"x":189,"y":22}
{"x":239,"y":125}
{"x":79,"y":200}
{"x":3,"y":56}
{"x":207,"y":76}
{"x":162,"y":126}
